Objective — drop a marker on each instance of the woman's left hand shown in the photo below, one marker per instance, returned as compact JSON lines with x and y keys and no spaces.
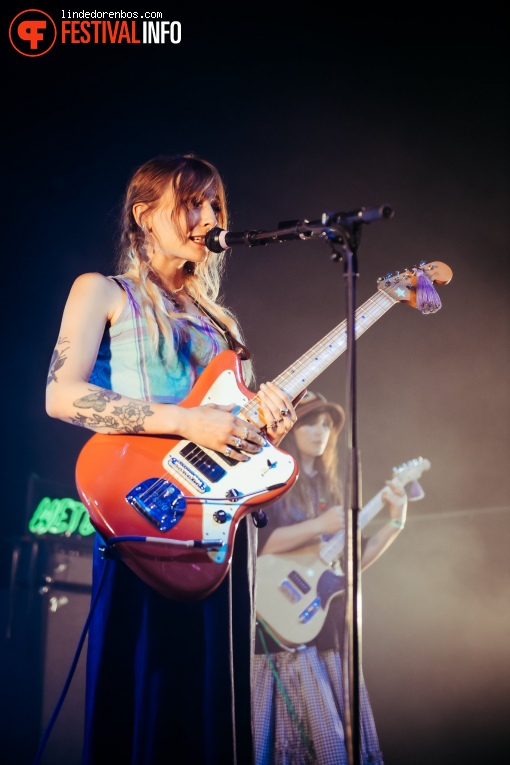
{"x":277,"y":411}
{"x":395,"y":496}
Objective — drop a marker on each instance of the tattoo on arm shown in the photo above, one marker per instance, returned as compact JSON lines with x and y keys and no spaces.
{"x":123,"y":419}
{"x":57,"y":359}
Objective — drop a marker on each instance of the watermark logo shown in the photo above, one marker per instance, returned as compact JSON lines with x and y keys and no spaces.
{"x":32,"y":33}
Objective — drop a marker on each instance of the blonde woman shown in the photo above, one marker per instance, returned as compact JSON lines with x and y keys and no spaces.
{"x":165,"y":681}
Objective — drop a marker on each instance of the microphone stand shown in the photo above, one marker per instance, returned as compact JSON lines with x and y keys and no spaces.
{"x":344,"y":233}
{"x":345,"y":243}
{"x":343,"y":230}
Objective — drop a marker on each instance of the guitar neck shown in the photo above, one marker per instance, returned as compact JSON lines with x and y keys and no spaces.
{"x":296,"y":378}
{"x":334,"y":547}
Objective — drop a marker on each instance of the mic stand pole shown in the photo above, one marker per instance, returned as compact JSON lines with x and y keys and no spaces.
{"x":345,"y":242}
{"x":343,"y":230}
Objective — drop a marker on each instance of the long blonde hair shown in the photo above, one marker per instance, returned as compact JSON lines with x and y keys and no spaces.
{"x":191,"y":179}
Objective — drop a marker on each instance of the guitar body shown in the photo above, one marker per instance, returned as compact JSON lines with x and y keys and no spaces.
{"x":174,"y":492}
{"x":294,"y":592}
{"x":295,"y":589}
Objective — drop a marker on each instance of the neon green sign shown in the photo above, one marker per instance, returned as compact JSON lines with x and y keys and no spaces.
{"x":60,"y":516}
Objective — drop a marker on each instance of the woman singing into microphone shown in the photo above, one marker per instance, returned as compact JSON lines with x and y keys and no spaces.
{"x":167,"y":681}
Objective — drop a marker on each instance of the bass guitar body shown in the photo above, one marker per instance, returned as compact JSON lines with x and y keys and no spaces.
{"x":170,"y":507}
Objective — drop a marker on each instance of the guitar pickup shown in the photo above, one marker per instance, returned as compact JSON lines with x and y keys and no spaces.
{"x":202,"y":462}
{"x":185,"y":471}
{"x":290,"y":592}
{"x":300,"y":583}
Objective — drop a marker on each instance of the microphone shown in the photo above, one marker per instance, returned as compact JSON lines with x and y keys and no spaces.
{"x":217,"y":239}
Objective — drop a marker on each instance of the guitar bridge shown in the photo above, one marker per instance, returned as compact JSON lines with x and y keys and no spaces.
{"x":158,"y":500}
{"x":305,"y":616}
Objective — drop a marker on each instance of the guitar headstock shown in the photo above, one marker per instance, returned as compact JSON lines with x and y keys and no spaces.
{"x":411,"y":470}
{"x":415,"y":286}
{"x":409,"y":473}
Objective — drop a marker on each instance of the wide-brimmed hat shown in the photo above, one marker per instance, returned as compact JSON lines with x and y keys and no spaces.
{"x":317,"y":403}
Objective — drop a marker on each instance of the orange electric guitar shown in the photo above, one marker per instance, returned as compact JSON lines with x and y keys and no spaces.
{"x":170,"y":507}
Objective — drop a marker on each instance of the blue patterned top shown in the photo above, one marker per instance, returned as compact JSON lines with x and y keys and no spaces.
{"x":126,"y":364}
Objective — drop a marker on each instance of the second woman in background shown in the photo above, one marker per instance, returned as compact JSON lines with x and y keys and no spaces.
{"x":298,"y":695}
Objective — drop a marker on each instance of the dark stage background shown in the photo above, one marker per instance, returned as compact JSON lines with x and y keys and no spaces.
{"x":302,"y":113}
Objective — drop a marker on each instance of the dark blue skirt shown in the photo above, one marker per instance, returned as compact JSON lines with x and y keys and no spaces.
{"x":159,"y":680}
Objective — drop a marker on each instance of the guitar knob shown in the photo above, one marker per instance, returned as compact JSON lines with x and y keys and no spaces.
{"x":220,"y":516}
{"x":232,"y":494}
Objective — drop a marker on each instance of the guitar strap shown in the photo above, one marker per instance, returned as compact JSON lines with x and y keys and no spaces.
{"x":233,"y":343}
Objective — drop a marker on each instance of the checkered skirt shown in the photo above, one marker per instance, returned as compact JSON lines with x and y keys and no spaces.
{"x":298,"y":709}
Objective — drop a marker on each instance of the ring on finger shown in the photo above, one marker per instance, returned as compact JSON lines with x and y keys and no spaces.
{"x":284,"y":412}
{"x":228,"y":451}
{"x":237,"y":442}
{"x":246,"y":433}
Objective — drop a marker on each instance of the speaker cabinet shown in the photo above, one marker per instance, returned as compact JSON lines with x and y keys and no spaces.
{"x":66,"y":602}
{"x":45,"y":612}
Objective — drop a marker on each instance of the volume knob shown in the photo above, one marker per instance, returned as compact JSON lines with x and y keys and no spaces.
{"x":221,"y":516}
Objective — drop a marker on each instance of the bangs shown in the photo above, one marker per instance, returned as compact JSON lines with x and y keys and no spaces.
{"x":194,"y":180}
{"x":194,"y":177}
{"x":197,"y":178}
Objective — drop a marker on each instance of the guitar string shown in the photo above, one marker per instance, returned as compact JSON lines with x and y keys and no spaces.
{"x":335,"y":336}
{"x":409,"y":471}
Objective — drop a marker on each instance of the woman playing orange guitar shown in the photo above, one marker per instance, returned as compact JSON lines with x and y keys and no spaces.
{"x":166,"y":681}
{"x":298,"y":699}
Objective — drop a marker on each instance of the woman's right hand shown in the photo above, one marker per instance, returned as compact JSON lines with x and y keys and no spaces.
{"x":331,"y":520}
{"x":215,"y":427}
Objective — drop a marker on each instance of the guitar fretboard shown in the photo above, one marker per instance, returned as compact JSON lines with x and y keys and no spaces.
{"x":296,"y":378}
{"x":334,"y":547}
{"x":408,"y":472}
